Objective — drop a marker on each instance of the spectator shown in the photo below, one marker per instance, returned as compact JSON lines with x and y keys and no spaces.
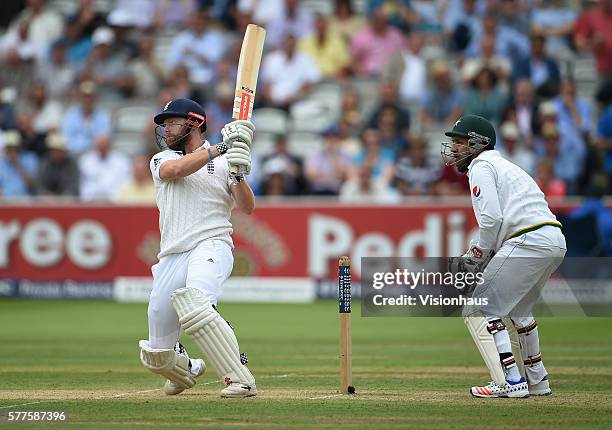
{"x":108,"y":71}
{"x":82,"y":123}
{"x":374,"y":45}
{"x":284,"y":167}
{"x":37,"y":117}
{"x":350,"y":108}
{"x":398,"y":12}
{"x":86,"y":18}
{"x":550,"y":185}
{"x":174,"y":14}
{"x":224,"y":12}
{"x":182,"y":87}
{"x":462,"y":22}
{"x":140,"y":189}
{"x":17,"y":168}
{"x":574,"y":114}
{"x":389,"y":101}
{"x":221,"y":103}
{"x":364,"y":187}
{"x":287,"y":74}
{"x":349,"y":139}
{"x":512,"y":149}
{"x":488,"y":58}
{"x":328,"y":50}
{"x":541,"y":69}
{"x":380,"y":158}
{"x":513,"y":14}
{"x":345,"y":21}
{"x":391,"y":136}
{"x":484,"y":97}
{"x":426,"y":16}
{"x":133,"y":13}
{"x":593,"y":32}
{"x":509,"y":43}
{"x":18,"y":52}
{"x":199,"y":48}
{"x":604,"y":129}
{"x":415,"y":173}
{"x":263,"y":11}
{"x":295,"y":19}
{"x":451,"y":183}
{"x":407,"y":69}
{"x":443,"y":101}
{"x":44,"y":24}
{"x":103,"y":171}
{"x":567,"y":154}
{"x":56,"y":73}
{"x":327,"y":168}
{"x":125,"y":45}
{"x":522,"y":110}
{"x":59,"y":173}
{"x":8,"y":115}
{"x":555,"y":21}
{"x":17,"y":47}
{"x":78,"y":45}
{"x":594,"y":205}
{"x":150,"y":72}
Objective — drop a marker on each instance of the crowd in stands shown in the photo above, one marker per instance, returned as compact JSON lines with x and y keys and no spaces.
{"x":65,"y":73}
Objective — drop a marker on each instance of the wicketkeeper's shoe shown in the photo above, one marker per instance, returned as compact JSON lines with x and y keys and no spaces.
{"x":238,"y":390}
{"x":171,"y":389}
{"x":542,"y":388}
{"x":517,"y":389}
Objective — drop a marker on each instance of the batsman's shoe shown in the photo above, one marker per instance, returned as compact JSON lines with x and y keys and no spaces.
{"x":542,"y":388}
{"x":517,"y":389}
{"x":236,"y":390}
{"x":172,"y":389}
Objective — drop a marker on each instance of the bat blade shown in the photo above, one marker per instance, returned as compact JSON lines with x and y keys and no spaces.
{"x":248,"y":71}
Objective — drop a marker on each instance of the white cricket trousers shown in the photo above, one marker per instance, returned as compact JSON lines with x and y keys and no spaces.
{"x":515,"y":276}
{"x":205,"y":267}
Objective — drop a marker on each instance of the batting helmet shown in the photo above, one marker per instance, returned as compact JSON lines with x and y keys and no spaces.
{"x":183,"y":108}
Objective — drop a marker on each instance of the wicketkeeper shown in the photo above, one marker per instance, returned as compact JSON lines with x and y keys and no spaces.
{"x":195,"y":195}
{"x":520,"y":244}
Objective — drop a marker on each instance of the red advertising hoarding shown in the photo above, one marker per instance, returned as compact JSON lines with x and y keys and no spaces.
{"x":95,"y":243}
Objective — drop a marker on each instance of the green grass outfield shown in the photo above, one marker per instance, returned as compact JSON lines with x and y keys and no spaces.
{"x":82,"y":357}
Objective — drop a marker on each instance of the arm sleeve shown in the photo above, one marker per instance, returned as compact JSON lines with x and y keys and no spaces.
{"x":483,"y":179}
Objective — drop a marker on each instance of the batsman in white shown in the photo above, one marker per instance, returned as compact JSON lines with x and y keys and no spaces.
{"x":195,"y":195}
{"x":520,"y":245}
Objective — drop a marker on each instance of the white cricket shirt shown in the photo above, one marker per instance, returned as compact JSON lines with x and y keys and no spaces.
{"x":194,"y":208}
{"x":505,"y":199}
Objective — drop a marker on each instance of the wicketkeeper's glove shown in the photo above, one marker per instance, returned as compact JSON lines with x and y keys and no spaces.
{"x":473,"y":261}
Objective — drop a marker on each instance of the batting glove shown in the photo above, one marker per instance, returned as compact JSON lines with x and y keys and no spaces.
{"x":239,"y":158}
{"x":238,"y":131}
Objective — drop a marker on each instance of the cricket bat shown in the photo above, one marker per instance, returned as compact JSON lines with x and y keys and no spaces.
{"x":246,"y":78}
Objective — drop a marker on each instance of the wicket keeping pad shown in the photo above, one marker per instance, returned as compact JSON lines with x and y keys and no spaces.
{"x":477,"y":326}
{"x":212,"y":334}
{"x":168,"y":363}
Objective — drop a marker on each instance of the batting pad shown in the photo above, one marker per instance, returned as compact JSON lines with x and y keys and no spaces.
{"x":477,"y":326}
{"x":212,"y":334}
{"x":168,"y":363}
